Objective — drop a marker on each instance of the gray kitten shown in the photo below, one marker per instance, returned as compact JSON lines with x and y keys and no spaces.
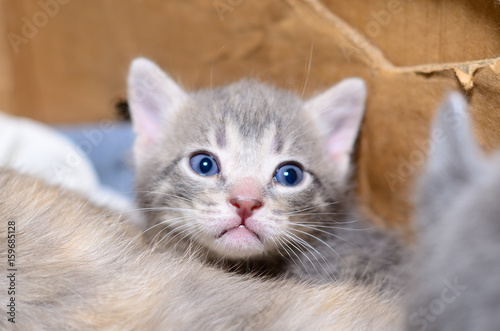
{"x":456,"y":274}
{"x":255,"y":176}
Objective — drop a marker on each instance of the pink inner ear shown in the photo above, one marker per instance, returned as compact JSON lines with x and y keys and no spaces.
{"x":339,"y":147}
{"x":146,"y":119}
{"x":148,"y":126}
{"x":339,"y":144}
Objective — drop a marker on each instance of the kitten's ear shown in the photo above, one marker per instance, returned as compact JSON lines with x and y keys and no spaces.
{"x":454,"y":156}
{"x":153,"y":97}
{"x":340,"y":111}
{"x":454,"y":159}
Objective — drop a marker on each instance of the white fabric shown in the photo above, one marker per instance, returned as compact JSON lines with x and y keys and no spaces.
{"x":36,"y":149}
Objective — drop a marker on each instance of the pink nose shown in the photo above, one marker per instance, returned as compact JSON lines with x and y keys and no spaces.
{"x":245,"y":206}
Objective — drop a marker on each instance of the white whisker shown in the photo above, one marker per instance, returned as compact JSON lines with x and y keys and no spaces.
{"x":291,"y":242}
{"x":291,"y":250}
{"x":168,"y":194}
{"x":308,"y":71}
{"x":308,"y":246}
{"x":168,"y":222}
{"x":184,"y":227}
{"x":318,"y":225}
{"x":312,"y":207}
{"x":323,"y":242}
{"x":166,"y":208}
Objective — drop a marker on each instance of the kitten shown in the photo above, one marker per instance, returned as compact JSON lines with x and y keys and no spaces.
{"x":77,"y":267}
{"x":455,"y":283}
{"x":248,"y":172}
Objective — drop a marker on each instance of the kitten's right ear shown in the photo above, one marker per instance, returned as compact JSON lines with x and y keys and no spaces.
{"x":454,"y":159}
{"x":152,"y":96}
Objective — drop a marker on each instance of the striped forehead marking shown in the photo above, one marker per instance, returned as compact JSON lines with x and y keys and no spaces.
{"x":220,"y":136}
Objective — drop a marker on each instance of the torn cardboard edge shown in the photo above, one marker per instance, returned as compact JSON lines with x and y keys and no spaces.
{"x":464,"y":71}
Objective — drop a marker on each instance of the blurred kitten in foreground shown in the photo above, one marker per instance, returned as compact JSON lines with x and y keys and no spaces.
{"x":77,"y":267}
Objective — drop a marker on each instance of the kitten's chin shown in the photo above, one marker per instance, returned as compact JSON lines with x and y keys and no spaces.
{"x":239,"y":242}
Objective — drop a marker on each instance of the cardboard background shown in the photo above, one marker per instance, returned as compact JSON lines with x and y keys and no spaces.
{"x":72,"y":66}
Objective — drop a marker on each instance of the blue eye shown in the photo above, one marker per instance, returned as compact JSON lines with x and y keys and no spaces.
{"x":289,"y":175}
{"x":204,"y":165}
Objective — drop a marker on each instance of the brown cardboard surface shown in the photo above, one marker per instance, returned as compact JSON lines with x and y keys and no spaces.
{"x":421,"y":32}
{"x":6,"y":74}
{"x":73,"y":69}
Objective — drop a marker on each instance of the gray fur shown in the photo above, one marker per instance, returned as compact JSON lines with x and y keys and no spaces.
{"x":357,"y":251}
{"x":327,"y":240}
{"x":455,"y":283}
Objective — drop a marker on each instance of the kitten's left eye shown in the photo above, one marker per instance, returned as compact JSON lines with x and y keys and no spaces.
{"x":289,"y":175}
{"x":204,"y":164}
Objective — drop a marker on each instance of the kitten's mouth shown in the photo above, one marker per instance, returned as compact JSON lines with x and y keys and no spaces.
{"x":240,"y":229}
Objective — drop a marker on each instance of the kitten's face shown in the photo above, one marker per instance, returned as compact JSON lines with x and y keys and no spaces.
{"x":236,"y":175}
{"x":237,"y":170}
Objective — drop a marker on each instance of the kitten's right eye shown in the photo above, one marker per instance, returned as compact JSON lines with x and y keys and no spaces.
{"x":204,"y":164}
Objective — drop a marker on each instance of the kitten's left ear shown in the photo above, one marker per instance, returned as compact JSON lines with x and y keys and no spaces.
{"x":339,"y":112}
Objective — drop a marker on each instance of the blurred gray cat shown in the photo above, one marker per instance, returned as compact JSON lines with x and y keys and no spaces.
{"x":255,"y":176}
{"x":456,"y":274}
